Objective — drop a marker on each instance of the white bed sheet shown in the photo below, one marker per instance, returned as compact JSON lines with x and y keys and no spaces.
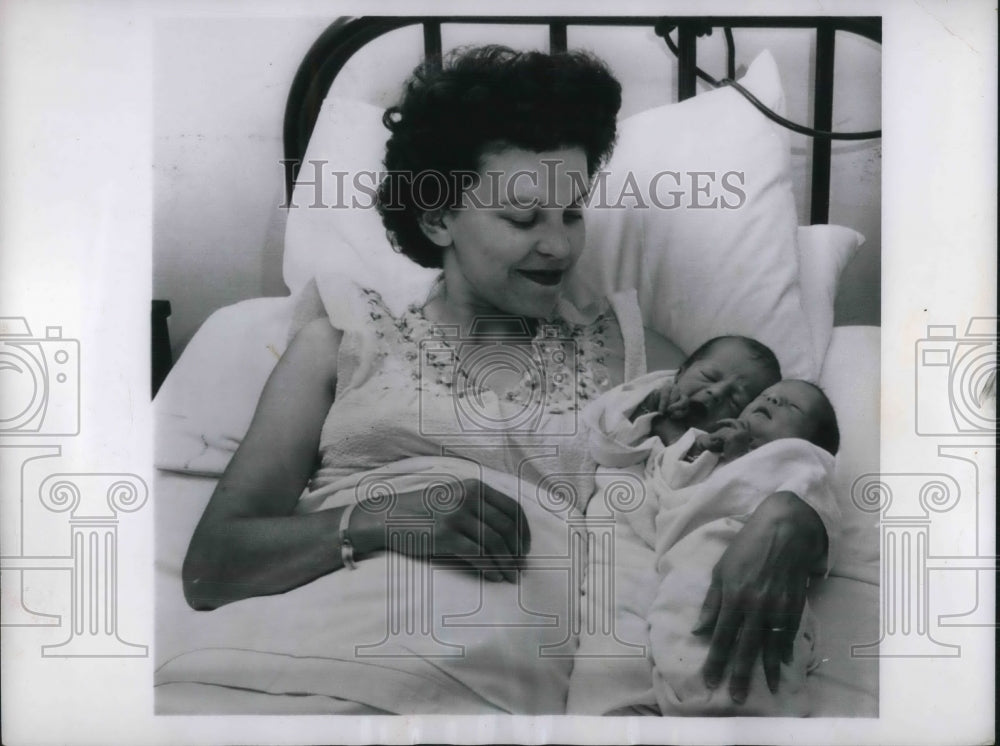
{"x":846,"y":603}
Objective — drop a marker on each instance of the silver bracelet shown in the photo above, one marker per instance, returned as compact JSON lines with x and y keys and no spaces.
{"x":346,"y":546}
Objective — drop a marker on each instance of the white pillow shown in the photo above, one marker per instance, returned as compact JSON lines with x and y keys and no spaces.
{"x":824,"y":251}
{"x":705,"y":272}
{"x":699,"y":273}
{"x":335,"y":238}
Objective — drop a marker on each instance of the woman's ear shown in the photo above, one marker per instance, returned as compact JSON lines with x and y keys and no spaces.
{"x":434,"y":226}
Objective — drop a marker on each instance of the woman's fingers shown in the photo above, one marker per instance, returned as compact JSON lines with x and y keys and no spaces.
{"x":772,"y":650}
{"x":494,"y":548}
{"x":792,"y":617}
{"x":709,"y":609}
{"x":505,"y":526}
{"x":727,"y":626}
{"x":510,"y":508}
{"x":469,"y":551}
{"x":747,"y":648}
{"x":480,"y":546}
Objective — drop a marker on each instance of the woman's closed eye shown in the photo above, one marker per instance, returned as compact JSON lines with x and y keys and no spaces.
{"x":522,"y":220}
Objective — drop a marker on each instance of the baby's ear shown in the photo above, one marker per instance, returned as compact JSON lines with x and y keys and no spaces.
{"x":433,"y":225}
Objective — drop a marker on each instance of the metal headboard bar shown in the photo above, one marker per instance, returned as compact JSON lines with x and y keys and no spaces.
{"x":687,"y":62}
{"x":338,"y":43}
{"x":819,"y":209}
{"x":557,"y":37}
{"x":433,"y":53}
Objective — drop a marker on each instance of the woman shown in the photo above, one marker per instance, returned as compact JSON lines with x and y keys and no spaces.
{"x":512,"y":134}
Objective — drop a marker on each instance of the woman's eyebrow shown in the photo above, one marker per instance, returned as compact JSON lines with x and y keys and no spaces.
{"x":518,"y":203}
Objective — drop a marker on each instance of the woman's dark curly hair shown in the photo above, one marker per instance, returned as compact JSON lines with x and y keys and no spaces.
{"x":480,"y":98}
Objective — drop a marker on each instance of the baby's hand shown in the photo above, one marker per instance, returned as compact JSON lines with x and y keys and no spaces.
{"x":730,"y":437}
{"x":702,"y":443}
{"x":661,"y":402}
{"x":676,"y":405}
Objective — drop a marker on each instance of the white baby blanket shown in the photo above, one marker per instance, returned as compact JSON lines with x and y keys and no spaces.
{"x":659,"y":567}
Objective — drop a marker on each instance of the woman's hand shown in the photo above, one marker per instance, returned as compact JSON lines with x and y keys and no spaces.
{"x":485,"y":530}
{"x":754,"y":604}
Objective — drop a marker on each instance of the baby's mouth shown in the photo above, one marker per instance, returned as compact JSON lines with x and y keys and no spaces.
{"x":697,"y":409}
{"x":762,"y":410}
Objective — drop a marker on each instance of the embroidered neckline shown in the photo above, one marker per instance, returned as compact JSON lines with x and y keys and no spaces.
{"x":563,"y":362}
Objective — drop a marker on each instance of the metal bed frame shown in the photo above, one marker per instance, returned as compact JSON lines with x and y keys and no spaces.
{"x":345,"y":36}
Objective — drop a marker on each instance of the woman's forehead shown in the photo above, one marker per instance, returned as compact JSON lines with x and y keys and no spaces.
{"x":519,"y":177}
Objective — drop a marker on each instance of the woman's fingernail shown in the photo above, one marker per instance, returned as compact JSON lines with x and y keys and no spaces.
{"x":739,"y":697}
{"x":711,"y":681}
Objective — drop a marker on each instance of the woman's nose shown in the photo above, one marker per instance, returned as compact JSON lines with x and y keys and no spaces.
{"x":556,"y":242}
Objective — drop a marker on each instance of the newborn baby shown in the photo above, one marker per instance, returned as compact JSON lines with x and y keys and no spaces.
{"x":715,"y":383}
{"x":701,"y":483}
{"x":788,"y":409}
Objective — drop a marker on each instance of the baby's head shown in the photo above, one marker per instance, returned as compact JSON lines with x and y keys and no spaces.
{"x":792,"y":409}
{"x":724,"y":375}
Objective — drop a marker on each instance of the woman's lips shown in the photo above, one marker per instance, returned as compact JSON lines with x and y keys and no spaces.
{"x":543,"y":276}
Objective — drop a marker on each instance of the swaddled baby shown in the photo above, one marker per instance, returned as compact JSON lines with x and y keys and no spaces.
{"x":702,"y":480}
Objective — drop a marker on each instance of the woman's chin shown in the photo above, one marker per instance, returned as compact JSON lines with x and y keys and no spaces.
{"x":539,"y":309}
{"x":541,"y":303}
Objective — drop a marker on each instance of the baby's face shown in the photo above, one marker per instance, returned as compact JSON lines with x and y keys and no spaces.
{"x":722,"y":383}
{"x":788,"y":409}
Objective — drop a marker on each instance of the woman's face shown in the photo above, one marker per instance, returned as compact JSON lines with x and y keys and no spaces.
{"x":518,"y":232}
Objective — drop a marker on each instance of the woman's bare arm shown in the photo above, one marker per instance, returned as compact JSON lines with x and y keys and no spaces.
{"x":247,"y":542}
